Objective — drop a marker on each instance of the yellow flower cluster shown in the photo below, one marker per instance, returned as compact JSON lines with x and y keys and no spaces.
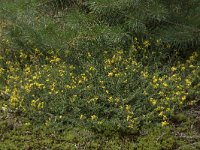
{"x":174,"y":87}
{"x":116,"y":86}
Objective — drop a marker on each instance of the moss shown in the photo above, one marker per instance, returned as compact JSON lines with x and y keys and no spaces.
{"x":157,"y":138}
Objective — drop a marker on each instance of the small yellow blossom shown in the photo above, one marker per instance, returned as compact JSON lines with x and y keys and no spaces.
{"x":40,"y":105}
{"x":165,"y":84}
{"x":145,"y":74}
{"x":110,"y":99}
{"x":33,"y":103}
{"x":183,"y":68}
{"x":55,"y":59}
{"x":27,"y":124}
{"x":82,"y":116}
{"x":94,"y":117}
{"x":128,"y":117}
{"x":183,"y":98}
{"x":168,"y":109}
{"x":164,"y":123}
{"x":153,"y":101}
{"x":192,"y":66}
{"x":188,"y":82}
{"x":173,"y":69}
{"x":110,"y":74}
{"x":161,"y":113}
{"x":178,"y":93}
{"x":89,"y":55}
{"x":146,"y":43}
{"x":128,"y":107}
{"x":161,"y":93}
{"x":67,"y":86}
{"x":91,"y":68}
{"x":145,"y":92}
{"x":155,"y":79}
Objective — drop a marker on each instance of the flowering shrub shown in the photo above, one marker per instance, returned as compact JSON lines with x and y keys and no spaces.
{"x":116,"y":92}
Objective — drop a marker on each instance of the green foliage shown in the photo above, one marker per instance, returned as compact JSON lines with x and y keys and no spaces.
{"x":56,"y":5}
{"x":18,"y":132}
{"x":157,"y":139}
{"x":75,"y":31}
{"x":95,"y":69}
{"x":116,"y":91}
{"x":100,"y":23}
{"x":174,"y":22}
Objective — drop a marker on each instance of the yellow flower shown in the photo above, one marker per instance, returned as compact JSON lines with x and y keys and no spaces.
{"x":22,"y":55}
{"x":155,"y":85}
{"x":178,"y":93}
{"x":161,"y":113}
{"x":82,"y":116}
{"x":117,"y":75}
{"x":33,"y":103}
{"x":99,"y":122}
{"x":173,"y":69}
{"x":15,"y":97}
{"x":117,"y":100}
{"x":183,"y":98}
{"x":128,"y":117}
{"x":41,"y":105}
{"x":131,"y":125}
{"x":159,"y":108}
{"x":183,"y":68}
{"x":153,"y":101}
{"x":89,"y":55}
{"x":134,"y":62}
{"x":110,"y":74}
{"x":128,"y":107}
{"x":125,"y":81}
{"x":91,"y":68}
{"x":161,"y":93}
{"x":168,"y":109}
{"x":120,"y":52}
{"x":27,"y":69}
{"x":67,"y":86}
{"x":165,"y":84}
{"x":145,"y":92}
{"x":102,"y":82}
{"x":71,"y":67}
{"x":55,"y":59}
{"x":4,"y":108}
{"x":167,"y":98}
{"x":145,"y":74}
{"x":93,"y":117}
{"x":27,"y":124}
{"x":164,"y":123}
{"x":155,"y":79}
{"x":188,"y":82}
{"x":179,"y":87}
{"x":110,"y":99}
{"x":146,"y":43}
{"x":191,"y":66}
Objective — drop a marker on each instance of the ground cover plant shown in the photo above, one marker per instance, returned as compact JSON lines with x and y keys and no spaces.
{"x":73,"y":78}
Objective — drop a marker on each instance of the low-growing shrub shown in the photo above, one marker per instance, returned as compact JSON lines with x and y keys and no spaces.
{"x":117,"y":91}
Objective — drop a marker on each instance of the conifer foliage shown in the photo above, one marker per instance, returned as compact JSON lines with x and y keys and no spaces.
{"x":174,"y":22}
